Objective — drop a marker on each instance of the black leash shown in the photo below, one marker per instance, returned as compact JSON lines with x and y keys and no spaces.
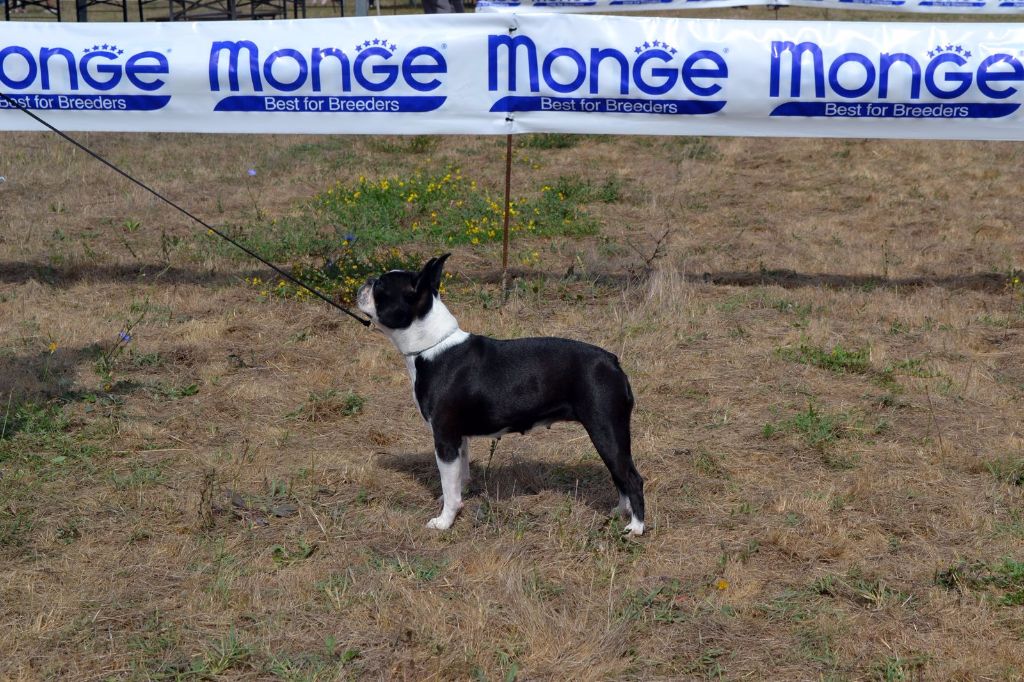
{"x":108,"y":164}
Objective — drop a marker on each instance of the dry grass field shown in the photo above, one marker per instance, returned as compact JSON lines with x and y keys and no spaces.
{"x":824,"y":338}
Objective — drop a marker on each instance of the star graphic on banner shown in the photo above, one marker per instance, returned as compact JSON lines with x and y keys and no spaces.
{"x":120,"y":52}
{"x":938,"y":48}
{"x":958,"y":49}
{"x":967,"y":54}
{"x":673,"y":50}
{"x":949,"y":48}
{"x":366,"y":44}
{"x":95,"y":47}
{"x":105,"y":46}
{"x":646,"y":45}
{"x":656,"y":43}
{"x":931,"y":53}
{"x":393,"y":47}
{"x":376,"y":41}
{"x":639,"y":50}
{"x":359,"y":48}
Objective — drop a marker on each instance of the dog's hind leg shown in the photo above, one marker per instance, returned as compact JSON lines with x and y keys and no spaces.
{"x":610,"y":435}
{"x":450,"y":468}
{"x":464,"y":463}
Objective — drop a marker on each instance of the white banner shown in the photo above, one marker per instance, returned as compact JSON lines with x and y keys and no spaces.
{"x":504,"y":73}
{"x":599,"y":6}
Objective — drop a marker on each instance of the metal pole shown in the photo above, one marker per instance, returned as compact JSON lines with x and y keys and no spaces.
{"x":508,"y":209}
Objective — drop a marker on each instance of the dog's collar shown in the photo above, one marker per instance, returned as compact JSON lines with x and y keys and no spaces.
{"x":434,"y":345}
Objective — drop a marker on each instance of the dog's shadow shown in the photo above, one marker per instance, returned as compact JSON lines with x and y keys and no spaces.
{"x":508,"y":476}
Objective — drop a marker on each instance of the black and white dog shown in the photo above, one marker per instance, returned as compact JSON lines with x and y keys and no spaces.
{"x":468,"y":385}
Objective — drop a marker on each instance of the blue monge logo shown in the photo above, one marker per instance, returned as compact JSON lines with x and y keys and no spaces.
{"x":375,"y":76}
{"x":892,"y":85}
{"x":652,"y":78}
{"x":81,"y":80}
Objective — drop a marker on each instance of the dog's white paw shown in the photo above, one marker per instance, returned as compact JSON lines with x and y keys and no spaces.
{"x":440,"y":523}
{"x":445,"y":520}
{"x":634,"y":527}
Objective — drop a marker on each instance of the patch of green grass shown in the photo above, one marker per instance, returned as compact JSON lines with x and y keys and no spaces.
{"x":40,"y":434}
{"x":694,"y":148}
{"x":335,"y":588}
{"x":171,"y":392}
{"x":222,"y":655}
{"x":152,"y":645}
{"x":146,"y":359}
{"x":869,"y":591}
{"x":897,"y":668}
{"x":783,"y":305}
{"x":706,"y":664}
{"x":317,"y":666}
{"x":817,"y":428}
{"x":1014,"y":526}
{"x":415,"y":144}
{"x":549,"y":140}
{"x":15,"y":527}
{"x":709,"y":464}
{"x":139,"y":476}
{"x":1005,"y":578}
{"x":327,"y":404}
{"x":913,"y":367}
{"x":355,"y":229}
{"x":1009,"y":469}
{"x":285,"y":556}
{"x":420,"y":569}
{"x":839,"y":359}
{"x":541,"y":588}
{"x":448,"y":208}
{"x":661,"y":604}
{"x":339,"y":277}
{"x":39,"y":420}
{"x":610,"y":191}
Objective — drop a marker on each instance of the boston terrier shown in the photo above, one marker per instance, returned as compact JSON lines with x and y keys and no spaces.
{"x":468,"y":385}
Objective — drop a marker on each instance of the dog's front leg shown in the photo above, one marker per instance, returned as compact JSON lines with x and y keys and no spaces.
{"x":449,"y":464}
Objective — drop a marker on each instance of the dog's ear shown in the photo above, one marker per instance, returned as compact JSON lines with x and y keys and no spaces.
{"x":429,"y":279}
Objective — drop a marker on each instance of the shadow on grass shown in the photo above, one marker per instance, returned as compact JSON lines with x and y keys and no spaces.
{"x":17,"y":272}
{"x":589,"y":482}
{"x":42,"y":380}
{"x":988,"y":282}
{"x":43,"y":375}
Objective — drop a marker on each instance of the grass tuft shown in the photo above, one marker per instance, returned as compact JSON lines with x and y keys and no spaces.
{"x":839,"y":359}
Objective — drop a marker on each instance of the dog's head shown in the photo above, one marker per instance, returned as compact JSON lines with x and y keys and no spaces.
{"x":397,"y":299}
